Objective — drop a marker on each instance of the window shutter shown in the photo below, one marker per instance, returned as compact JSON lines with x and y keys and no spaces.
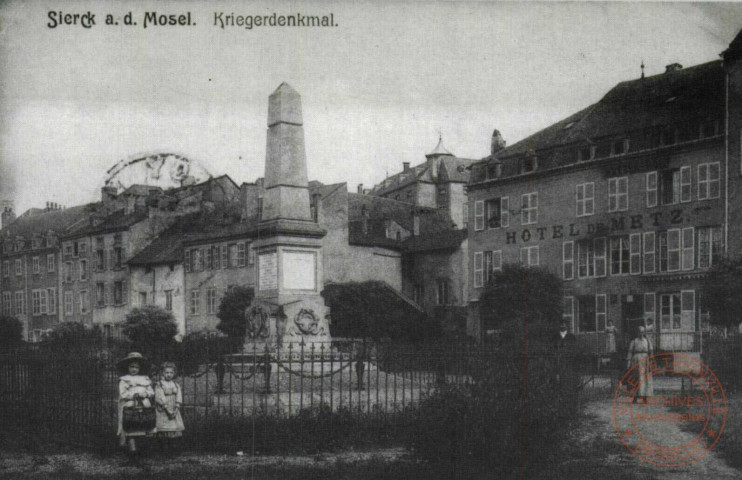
{"x":505,"y":211}
{"x":479,"y":215}
{"x":478,"y":269}
{"x":685,"y":184}
{"x":124,"y":292}
{"x":688,"y":310}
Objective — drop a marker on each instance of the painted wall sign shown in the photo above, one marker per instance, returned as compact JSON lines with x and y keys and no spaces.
{"x":268,"y":271}
{"x":617,"y":223}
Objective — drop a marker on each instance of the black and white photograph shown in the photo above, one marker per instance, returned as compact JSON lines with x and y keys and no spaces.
{"x":370,"y":240}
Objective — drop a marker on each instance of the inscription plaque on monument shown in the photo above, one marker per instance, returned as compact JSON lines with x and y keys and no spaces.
{"x":299,"y":270}
{"x":268,"y":271}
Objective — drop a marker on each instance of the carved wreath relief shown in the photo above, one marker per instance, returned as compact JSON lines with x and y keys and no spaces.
{"x":307,"y":323}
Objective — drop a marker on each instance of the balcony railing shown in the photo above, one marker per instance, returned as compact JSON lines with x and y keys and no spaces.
{"x":596,"y":343}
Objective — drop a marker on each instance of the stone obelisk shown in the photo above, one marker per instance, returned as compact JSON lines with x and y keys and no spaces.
{"x":288,"y":307}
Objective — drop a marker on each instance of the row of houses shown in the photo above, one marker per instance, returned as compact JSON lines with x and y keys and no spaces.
{"x":630,"y":201}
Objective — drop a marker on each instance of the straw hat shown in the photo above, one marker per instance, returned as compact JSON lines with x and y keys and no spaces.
{"x":132,"y":357}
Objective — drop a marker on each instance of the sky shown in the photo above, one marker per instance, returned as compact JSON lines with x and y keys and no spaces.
{"x":377,"y":89}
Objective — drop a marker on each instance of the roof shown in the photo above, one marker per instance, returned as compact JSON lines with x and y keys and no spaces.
{"x":655,"y":101}
{"x":141,"y":190}
{"x":116,"y":221}
{"x":438,"y":168}
{"x":60,"y":221}
{"x":318,"y":188}
{"x":374,"y":309}
{"x":439,"y":149}
{"x":442,"y":240}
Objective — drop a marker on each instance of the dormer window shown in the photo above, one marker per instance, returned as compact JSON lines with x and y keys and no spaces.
{"x":36,"y":242}
{"x":586,"y":153}
{"x":494,"y":171}
{"x":530,"y":163}
{"x":619,"y":147}
{"x":709,"y":129}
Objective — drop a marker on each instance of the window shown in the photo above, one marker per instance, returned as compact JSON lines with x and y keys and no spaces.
{"x":417,"y":293}
{"x":492,"y":263}
{"x":209,"y":259}
{"x":568,"y":312}
{"x":651,"y":189}
{"x":84,"y":305}
{"x":118,"y":257}
{"x":251,"y":250}
{"x":529,"y":256}
{"x":649,"y":252}
{"x":83,"y":249}
{"x":709,"y":129}
{"x":586,"y":312}
{"x":51,"y":294}
{"x":670,"y":311}
{"x":118,"y":293}
{"x":68,"y":272}
{"x":635,"y":253}
{"x":688,"y":309}
{"x":233,"y":255}
{"x":618,"y":194}
{"x":708,"y":181}
{"x":142,"y":299}
{"x":443,"y":291}
{"x":568,"y":260}
{"x":601,"y":311}
{"x":195,"y":302}
{"x":76,"y":249}
{"x":497,"y":212}
{"x":51,"y":264}
{"x":685,"y":184}
{"x":169,"y":300}
{"x":688,"y":258}
{"x":100,"y":259}
{"x":68,"y":250}
{"x":100,"y":294}
{"x":494,"y":171}
{"x":478,"y":269}
{"x":197,"y":263}
{"x":585,"y":259}
{"x":620,"y":147}
{"x":670,"y":186}
{"x":479,"y":215}
{"x":620,"y":255}
{"x":601,"y":261}
{"x":649,"y":311}
{"x":530,"y":164}
{"x":211,"y":300}
{"x":187,"y":261}
{"x":529,"y":208}
{"x":6,"y":268}
{"x":225,"y":256}
{"x":68,"y":303}
{"x":83,"y":270}
{"x":36,"y":265}
{"x":586,"y":153}
{"x":7,"y":304}
{"x":585,"y":197}
{"x":18,"y":267}
{"x":709,"y":246}
{"x":20,"y":303}
{"x":673,"y":250}
{"x":36,"y":302}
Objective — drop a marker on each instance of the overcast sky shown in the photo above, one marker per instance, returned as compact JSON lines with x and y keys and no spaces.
{"x":376,"y":89}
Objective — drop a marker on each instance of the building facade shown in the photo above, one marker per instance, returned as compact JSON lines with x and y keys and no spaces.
{"x":627,"y":201}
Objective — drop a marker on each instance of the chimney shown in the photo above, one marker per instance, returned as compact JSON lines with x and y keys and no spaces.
{"x":673,"y":67}
{"x":360,"y":188}
{"x":405,"y":167}
{"x":497,"y":144}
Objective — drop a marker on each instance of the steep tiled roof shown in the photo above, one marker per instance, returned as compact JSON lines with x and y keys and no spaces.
{"x":60,"y":221}
{"x":656,"y":101}
{"x":116,"y":221}
{"x":379,"y":208}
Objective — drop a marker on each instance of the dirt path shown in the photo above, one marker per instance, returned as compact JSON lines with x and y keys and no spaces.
{"x":599,"y":453}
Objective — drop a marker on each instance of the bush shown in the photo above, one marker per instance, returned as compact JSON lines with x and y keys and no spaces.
{"x":151,"y":331}
{"x":720,"y":293}
{"x":204,"y":347}
{"x":11,"y":333}
{"x":72,"y":337}
{"x":231,"y":312}
{"x":496,"y":424}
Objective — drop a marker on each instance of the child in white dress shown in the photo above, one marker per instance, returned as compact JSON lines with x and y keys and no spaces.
{"x":168,"y":399}
{"x":134,"y":390}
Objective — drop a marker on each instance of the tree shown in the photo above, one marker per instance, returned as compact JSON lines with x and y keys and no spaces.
{"x":721,"y":293}
{"x":516,"y":297}
{"x":68,"y":335}
{"x":231,"y":312}
{"x":11,"y":332}
{"x":151,"y":331}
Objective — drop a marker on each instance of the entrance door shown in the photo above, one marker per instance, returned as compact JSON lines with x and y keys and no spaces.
{"x":670,"y":322}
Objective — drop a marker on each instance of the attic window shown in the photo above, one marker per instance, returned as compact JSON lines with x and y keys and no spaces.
{"x":569,"y":125}
{"x":709,"y":129}
{"x":530,"y":163}
{"x":494,"y":171}
{"x":586,"y":153}
{"x":671,"y":99}
{"x":620,"y":147}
